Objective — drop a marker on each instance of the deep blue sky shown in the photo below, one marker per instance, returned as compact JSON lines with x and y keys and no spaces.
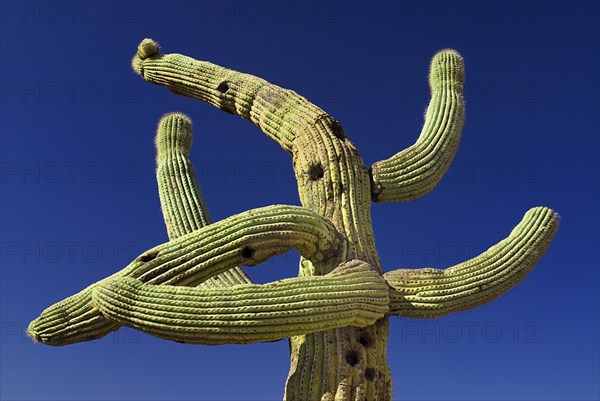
{"x":79,"y":200}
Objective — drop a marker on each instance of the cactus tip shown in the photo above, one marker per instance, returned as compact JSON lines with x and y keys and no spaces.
{"x":32,"y":332}
{"x":448,"y":53}
{"x":447,"y":65}
{"x":146,"y":49}
{"x":174,"y":131}
{"x":177,"y":116}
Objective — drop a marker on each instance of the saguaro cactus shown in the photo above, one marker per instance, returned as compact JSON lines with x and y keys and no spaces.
{"x":336,"y":312}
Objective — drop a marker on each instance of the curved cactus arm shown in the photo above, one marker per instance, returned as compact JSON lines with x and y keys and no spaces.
{"x":415,"y":171}
{"x":351,"y":295}
{"x":181,"y":200}
{"x":245,"y":239}
{"x":280,"y":113}
{"x":248,"y":238}
{"x":431,"y":293}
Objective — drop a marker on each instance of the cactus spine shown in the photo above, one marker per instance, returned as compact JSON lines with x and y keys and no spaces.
{"x":336,"y":312}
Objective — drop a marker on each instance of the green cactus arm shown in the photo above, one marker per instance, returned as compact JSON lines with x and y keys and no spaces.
{"x":248,"y":238}
{"x":415,"y":171}
{"x":431,"y":293}
{"x":351,"y":295}
{"x":181,"y":200}
{"x":182,"y":203}
{"x":280,"y":113}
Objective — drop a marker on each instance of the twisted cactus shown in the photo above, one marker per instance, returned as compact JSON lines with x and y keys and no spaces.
{"x":336,"y":312}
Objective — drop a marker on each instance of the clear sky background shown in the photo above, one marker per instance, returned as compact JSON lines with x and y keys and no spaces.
{"x":79,"y":198}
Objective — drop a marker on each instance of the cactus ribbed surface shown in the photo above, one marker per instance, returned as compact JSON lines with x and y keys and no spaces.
{"x":428,"y":293}
{"x":416,"y":170}
{"x":246,"y":313}
{"x":336,"y":312}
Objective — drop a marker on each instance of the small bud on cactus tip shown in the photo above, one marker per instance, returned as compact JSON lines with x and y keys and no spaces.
{"x":147,"y":48}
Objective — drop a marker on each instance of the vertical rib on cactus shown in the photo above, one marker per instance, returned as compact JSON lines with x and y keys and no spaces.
{"x":181,"y":200}
{"x":337,"y":312}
